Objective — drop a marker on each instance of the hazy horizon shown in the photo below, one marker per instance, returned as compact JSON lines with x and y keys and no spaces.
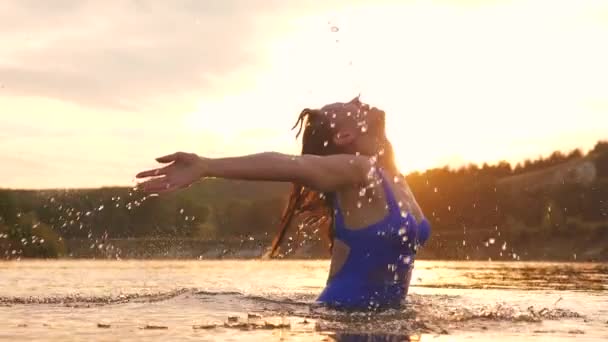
{"x":92,"y":92}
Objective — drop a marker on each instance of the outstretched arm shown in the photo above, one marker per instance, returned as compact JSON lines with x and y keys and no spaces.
{"x":322,"y":173}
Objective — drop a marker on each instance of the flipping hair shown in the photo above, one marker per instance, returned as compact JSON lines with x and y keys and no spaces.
{"x":317,"y":207}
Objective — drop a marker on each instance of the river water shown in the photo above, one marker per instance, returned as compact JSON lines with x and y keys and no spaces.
{"x":259,"y":300}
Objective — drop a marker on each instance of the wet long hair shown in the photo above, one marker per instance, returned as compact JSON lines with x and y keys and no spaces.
{"x":316,"y":207}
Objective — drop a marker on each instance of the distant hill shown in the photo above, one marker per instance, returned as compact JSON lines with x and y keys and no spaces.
{"x":553,"y":208}
{"x":578,"y":171}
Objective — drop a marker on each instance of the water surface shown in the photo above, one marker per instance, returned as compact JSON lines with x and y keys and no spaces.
{"x":108,"y":300}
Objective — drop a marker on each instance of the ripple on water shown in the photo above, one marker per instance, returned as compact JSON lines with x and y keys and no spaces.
{"x":422,"y":313}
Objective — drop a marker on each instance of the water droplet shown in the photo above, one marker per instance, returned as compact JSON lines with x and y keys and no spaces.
{"x":402,"y":231}
{"x":325,"y":143}
{"x":100,"y":208}
{"x":449,"y":208}
{"x":435,"y":189}
{"x":332,"y":125}
{"x":362,"y":192}
{"x":41,"y":240}
{"x":491,"y":241}
{"x":88,"y":213}
{"x":363,"y":129}
{"x":358,"y":204}
{"x":181,"y":211}
{"x":400,"y":204}
{"x":396,"y":179}
{"x":504,"y":246}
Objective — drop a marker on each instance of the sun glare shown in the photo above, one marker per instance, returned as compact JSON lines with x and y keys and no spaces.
{"x":466,"y":86}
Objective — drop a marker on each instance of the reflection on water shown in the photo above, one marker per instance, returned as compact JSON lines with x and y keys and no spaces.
{"x":514,"y":275}
{"x":262,"y":300}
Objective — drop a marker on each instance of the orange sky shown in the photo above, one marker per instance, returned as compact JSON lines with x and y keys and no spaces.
{"x":86,"y":101}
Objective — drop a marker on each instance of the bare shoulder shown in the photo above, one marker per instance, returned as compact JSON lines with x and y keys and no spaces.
{"x":405,"y":196}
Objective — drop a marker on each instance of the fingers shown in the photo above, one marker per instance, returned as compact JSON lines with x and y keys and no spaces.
{"x":155,"y":185}
{"x":154,"y":172}
{"x":168,"y":158}
{"x":148,"y":173}
{"x":158,"y":185}
{"x":151,"y":185}
{"x":160,"y":171}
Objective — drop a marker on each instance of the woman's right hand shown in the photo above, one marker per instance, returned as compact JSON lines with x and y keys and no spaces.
{"x":183,"y":170}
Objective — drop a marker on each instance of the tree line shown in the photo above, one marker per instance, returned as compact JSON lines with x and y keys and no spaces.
{"x":476,"y":211}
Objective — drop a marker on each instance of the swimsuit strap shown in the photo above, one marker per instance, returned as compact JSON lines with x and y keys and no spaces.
{"x":393,"y":207}
{"x":389,"y":196}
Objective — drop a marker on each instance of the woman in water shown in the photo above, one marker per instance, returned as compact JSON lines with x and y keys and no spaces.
{"x":346,"y":181}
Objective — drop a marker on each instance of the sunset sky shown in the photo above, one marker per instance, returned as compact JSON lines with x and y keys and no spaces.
{"x":92,"y":91}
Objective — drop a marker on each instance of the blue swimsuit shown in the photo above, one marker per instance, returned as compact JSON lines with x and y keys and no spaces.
{"x":378,"y":269}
